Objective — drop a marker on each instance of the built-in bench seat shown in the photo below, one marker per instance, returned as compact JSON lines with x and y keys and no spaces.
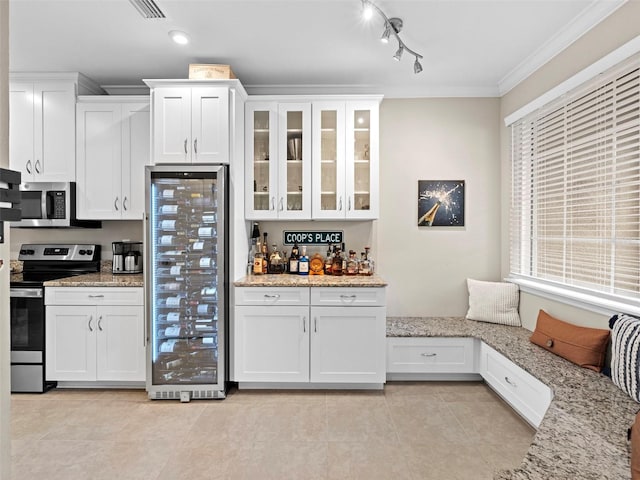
{"x":583,"y":434}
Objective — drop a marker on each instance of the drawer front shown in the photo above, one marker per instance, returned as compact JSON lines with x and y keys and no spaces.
{"x":93,"y":296}
{"x":431,"y":355}
{"x":272,"y":296}
{"x":348,"y":297}
{"x":528,"y":395}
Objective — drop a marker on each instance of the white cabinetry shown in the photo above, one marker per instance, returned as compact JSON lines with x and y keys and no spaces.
{"x":311,"y":158}
{"x":320,"y":335}
{"x":417,"y":357}
{"x":526,"y":394}
{"x":42,"y":109}
{"x":345,"y":160}
{"x":95,"y":335}
{"x":278,"y":160}
{"x":191,"y":124}
{"x":112,"y":136}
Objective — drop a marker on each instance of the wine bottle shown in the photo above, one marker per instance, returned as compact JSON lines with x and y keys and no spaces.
{"x":293,"y":260}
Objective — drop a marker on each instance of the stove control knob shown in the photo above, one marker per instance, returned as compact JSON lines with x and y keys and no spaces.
{"x":82,"y":252}
{"x":89,"y":252}
{"x":23,"y":251}
{"x":30,"y":252}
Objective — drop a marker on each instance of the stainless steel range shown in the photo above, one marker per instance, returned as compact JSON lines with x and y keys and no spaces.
{"x":41,"y":262}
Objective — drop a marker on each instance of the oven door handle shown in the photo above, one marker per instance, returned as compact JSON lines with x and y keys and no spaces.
{"x":25,"y":292}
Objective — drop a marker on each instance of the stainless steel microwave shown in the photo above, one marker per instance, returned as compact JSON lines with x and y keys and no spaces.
{"x":50,"y":205}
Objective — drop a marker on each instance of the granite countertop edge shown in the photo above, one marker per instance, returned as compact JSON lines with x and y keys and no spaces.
{"x":583,"y":433}
{"x":285,"y":280}
{"x":99,"y":279}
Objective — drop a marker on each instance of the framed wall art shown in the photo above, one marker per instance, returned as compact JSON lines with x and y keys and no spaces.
{"x":441,"y":203}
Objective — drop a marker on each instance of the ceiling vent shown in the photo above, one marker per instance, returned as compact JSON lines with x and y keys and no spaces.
{"x":147,"y":8}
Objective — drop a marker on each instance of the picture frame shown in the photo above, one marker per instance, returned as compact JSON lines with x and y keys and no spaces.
{"x":441,"y":203}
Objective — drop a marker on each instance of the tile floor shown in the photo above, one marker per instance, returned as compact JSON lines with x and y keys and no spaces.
{"x":433,"y":430}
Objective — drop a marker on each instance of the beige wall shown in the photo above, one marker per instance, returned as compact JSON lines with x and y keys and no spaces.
{"x":5,"y":442}
{"x":438,"y":139}
{"x":620,"y":27}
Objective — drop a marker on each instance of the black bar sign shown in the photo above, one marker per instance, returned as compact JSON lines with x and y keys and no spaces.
{"x":312,"y":238}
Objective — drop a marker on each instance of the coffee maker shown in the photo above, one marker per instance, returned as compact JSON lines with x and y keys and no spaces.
{"x":127,"y":257}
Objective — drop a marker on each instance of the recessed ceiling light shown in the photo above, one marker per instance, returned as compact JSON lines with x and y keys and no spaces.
{"x":179,"y":37}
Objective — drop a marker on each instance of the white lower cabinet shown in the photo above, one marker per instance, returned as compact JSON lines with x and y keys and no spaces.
{"x":282,"y":335}
{"x":89,"y":338}
{"x":525,"y":393}
{"x":426,"y":355}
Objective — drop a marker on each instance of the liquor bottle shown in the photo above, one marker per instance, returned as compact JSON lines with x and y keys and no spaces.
{"x":303,"y":262}
{"x":352,"y":264}
{"x":336,"y":265}
{"x":293,"y":260}
{"x":364,"y":269}
{"x":372,"y":267}
{"x":344,"y":258}
{"x":265,"y":255}
{"x":257,"y":259}
{"x":276,"y":263}
{"x":328,"y":261}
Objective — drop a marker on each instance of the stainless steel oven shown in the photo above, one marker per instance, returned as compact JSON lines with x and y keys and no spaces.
{"x":27,"y":339}
{"x":27,"y":308}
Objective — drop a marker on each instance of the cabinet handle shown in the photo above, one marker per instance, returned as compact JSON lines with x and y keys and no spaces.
{"x":115,"y":204}
{"x":96,"y":296}
{"x":89,"y":325}
{"x":349,"y":200}
{"x":100,"y":323}
{"x":315,"y":324}
{"x":304,"y":324}
{"x":124,"y":203}
{"x":36,"y":167}
{"x":195,"y":146}
{"x":28,"y":167}
{"x":185,"y":146}
{"x":348,"y":297}
{"x":340,"y":207}
{"x":428,"y":354}
{"x":281,"y":203}
{"x":276,"y":296}
{"x":513,"y":384}
{"x":273,"y":203}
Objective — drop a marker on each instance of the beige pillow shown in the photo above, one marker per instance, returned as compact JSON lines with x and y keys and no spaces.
{"x":493,"y":302}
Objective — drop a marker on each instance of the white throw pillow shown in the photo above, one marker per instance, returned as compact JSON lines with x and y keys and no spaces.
{"x":493,"y":302}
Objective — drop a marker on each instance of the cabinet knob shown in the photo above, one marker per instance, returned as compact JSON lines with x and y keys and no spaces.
{"x":89,"y":324}
{"x":28,"y":167}
{"x":304,"y":324}
{"x":115,"y":204}
{"x":36,"y":167}
{"x":281,"y":203}
{"x":124,"y":203}
{"x":185,"y":146}
{"x":315,"y":324}
{"x":100,"y":323}
{"x":195,"y":146}
{"x":273,"y":203}
{"x":349,"y":205}
{"x":340,"y":207}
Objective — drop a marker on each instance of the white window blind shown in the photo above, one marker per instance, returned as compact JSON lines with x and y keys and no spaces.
{"x":575,"y":204}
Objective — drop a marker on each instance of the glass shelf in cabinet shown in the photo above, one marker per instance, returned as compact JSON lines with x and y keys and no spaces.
{"x":327,"y":193}
{"x":361,"y":129}
{"x":361,"y":161}
{"x":262,"y":162}
{"x":327,"y":160}
{"x":260,"y":130}
{"x":294,"y":162}
{"x":261,"y":193}
{"x":294,"y":192}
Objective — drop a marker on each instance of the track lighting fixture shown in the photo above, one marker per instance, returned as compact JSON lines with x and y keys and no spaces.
{"x":391,"y":26}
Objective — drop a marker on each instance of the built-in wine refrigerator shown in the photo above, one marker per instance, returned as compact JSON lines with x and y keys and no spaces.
{"x":186,"y":281}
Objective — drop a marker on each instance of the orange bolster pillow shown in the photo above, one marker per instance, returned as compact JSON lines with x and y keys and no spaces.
{"x":583,"y":346}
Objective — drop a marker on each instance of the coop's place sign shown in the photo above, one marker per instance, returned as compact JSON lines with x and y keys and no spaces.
{"x":312,"y":238}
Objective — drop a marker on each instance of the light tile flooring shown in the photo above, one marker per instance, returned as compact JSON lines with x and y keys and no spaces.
{"x":433,"y":430}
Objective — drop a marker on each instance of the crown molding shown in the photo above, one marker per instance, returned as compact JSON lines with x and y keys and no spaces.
{"x":581,"y":24}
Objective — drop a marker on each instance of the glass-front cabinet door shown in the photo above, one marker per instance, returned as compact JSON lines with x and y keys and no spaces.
{"x":362,"y":160}
{"x":294,"y":161}
{"x":261,"y":166}
{"x":328,"y":190}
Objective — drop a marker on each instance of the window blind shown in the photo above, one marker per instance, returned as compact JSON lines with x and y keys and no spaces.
{"x":575,"y":203}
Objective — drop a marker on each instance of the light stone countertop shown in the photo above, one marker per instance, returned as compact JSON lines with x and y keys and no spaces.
{"x":99,"y":279}
{"x":583,"y":435}
{"x":287,"y":280}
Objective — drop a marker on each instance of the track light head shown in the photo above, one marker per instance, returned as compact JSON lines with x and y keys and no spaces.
{"x":417,"y":67}
{"x":398,"y":54}
{"x":385,"y":35}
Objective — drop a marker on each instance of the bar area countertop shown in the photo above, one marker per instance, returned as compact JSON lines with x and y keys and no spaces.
{"x":287,"y":280}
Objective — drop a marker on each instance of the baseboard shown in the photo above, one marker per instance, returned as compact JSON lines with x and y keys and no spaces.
{"x":309,"y":386}
{"x":114,"y":385}
{"x":443,"y":377}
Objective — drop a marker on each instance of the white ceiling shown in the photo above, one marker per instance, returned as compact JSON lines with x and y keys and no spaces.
{"x":470,"y":47}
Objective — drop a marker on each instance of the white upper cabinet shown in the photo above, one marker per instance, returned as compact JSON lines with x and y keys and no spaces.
{"x":42,"y":115}
{"x":190,"y":124}
{"x":278,"y":160}
{"x":112,"y":150}
{"x":312,"y":160}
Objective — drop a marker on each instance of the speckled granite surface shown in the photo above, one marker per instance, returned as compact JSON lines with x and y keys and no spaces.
{"x":310,"y":281}
{"x":583,"y":435}
{"x":99,"y":279}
